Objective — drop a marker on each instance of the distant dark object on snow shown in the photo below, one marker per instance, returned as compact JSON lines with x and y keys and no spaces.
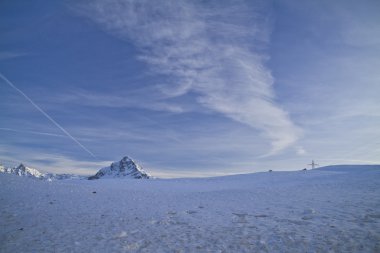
{"x":270,"y":170}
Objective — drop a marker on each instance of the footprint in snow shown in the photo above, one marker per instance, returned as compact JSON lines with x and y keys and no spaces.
{"x":373,"y":216}
{"x":240,"y":217}
{"x":308,"y":214}
{"x":370,"y":217}
{"x":261,"y":215}
{"x":309,"y":211}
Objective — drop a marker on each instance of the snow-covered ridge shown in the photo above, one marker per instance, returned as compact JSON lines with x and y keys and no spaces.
{"x":25,"y":171}
{"x":22,"y":170}
{"x":128,"y":169}
{"x":125,"y":168}
{"x":347,"y":168}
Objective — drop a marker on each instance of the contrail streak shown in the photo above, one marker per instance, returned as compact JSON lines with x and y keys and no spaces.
{"x":46,"y":115}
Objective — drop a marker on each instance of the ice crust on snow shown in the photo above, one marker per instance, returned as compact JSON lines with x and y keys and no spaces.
{"x":321,"y":210}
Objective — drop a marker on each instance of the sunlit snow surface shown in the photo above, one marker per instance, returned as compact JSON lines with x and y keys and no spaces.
{"x":336,"y":209}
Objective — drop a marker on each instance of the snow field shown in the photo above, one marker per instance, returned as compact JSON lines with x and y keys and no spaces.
{"x":330,"y":210}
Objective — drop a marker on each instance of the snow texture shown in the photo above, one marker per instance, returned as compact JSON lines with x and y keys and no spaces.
{"x":334,"y":209}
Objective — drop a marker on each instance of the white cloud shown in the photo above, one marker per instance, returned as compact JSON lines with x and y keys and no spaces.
{"x":211,"y":50}
{"x":301,"y":151}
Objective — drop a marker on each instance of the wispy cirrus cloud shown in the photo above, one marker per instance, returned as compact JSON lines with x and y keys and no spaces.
{"x":6,"y":55}
{"x":212,"y":50}
{"x":51,"y":162}
{"x":129,"y":100}
{"x":31,"y":132}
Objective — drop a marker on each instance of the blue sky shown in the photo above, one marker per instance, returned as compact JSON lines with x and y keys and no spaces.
{"x":189,"y":88}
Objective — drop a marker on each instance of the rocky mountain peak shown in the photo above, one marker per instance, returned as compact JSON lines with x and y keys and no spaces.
{"x":125,"y":168}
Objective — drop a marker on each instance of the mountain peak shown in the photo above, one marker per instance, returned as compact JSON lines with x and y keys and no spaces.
{"x":21,"y":166}
{"x":125,"y":168}
{"x":126,"y":158}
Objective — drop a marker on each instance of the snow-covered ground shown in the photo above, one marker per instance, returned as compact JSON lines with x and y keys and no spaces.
{"x":336,"y":209}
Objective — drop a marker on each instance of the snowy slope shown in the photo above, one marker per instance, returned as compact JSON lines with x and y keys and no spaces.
{"x":347,"y":168}
{"x":318,"y":210}
{"x":125,"y":168}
